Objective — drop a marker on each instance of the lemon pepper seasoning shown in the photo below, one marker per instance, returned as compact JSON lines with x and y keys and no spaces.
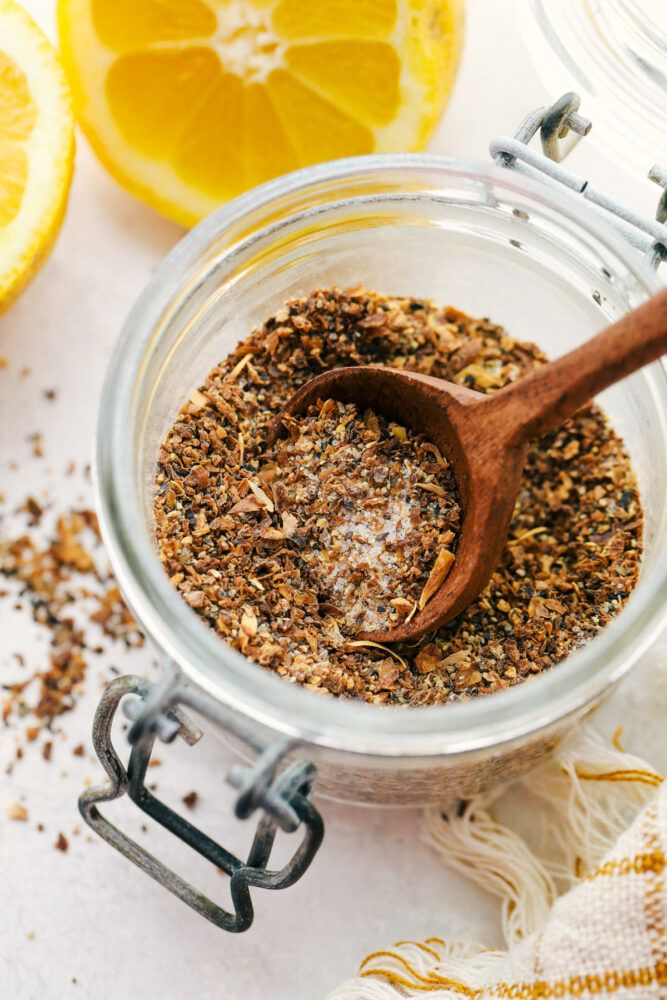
{"x":569,"y":565}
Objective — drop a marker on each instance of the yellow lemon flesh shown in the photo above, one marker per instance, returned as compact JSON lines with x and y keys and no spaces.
{"x":190,"y":102}
{"x":36,"y":148}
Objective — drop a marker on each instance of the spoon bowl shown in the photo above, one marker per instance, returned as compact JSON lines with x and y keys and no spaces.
{"x":486,"y":437}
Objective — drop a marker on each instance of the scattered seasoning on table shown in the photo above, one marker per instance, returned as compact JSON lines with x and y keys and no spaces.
{"x":569,"y":565}
{"x":190,"y":800}
{"x":58,"y":577}
{"x":61,"y":844}
{"x":17,"y":812}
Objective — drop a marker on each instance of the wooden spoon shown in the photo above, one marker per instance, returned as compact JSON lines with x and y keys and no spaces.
{"x":486,"y":437}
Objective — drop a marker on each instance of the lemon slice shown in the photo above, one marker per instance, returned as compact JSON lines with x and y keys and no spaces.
{"x":36,"y":149}
{"x":190,"y":102}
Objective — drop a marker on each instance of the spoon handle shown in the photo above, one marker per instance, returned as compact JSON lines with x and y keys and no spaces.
{"x":541,"y":401}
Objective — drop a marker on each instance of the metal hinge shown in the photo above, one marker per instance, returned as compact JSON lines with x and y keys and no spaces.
{"x":561,"y":127}
{"x":282,"y":798}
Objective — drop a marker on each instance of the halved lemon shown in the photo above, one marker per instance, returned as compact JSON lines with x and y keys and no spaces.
{"x":36,"y":148}
{"x":190,"y":102}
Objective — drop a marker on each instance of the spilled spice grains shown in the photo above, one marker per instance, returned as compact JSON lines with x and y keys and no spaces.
{"x":57,"y":577}
{"x":376,"y":506}
{"x":62,"y":843}
{"x":17,"y":812}
{"x":225,"y":521}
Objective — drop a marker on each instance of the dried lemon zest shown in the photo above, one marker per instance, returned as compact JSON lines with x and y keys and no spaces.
{"x":378,"y":645}
{"x":412,"y":613}
{"x":482,"y":376}
{"x":260,"y":495}
{"x":440,"y":570}
{"x":238,"y":368}
{"x":431,"y":488}
{"x":198,"y":400}
{"x":527,"y":534}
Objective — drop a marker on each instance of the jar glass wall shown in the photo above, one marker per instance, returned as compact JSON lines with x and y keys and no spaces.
{"x":492,"y":243}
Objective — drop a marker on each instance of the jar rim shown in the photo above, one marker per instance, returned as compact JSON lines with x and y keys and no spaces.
{"x":261,"y":696}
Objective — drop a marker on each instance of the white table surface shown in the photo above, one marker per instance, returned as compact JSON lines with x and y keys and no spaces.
{"x":87,"y":923}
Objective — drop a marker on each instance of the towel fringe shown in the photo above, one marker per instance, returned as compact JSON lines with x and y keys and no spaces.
{"x":526,"y":843}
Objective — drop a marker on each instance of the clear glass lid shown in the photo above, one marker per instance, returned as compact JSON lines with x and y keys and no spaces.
{"x":614,"y":53}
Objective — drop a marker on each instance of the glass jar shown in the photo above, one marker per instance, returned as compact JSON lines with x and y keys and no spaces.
{"x":487,"y":240}
{"x":614,"y":53}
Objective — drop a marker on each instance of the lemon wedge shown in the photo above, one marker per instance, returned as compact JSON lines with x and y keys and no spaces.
{"x":36,"y":149}
{"x":190,"y":102}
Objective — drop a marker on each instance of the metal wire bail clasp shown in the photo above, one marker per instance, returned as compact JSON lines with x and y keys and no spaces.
{"x":561,"y":127}
{"x":282,"y":798}
{"x":658,"y":252}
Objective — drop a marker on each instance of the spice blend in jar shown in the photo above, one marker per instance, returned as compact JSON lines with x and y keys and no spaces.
{"x":262,"y":546}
